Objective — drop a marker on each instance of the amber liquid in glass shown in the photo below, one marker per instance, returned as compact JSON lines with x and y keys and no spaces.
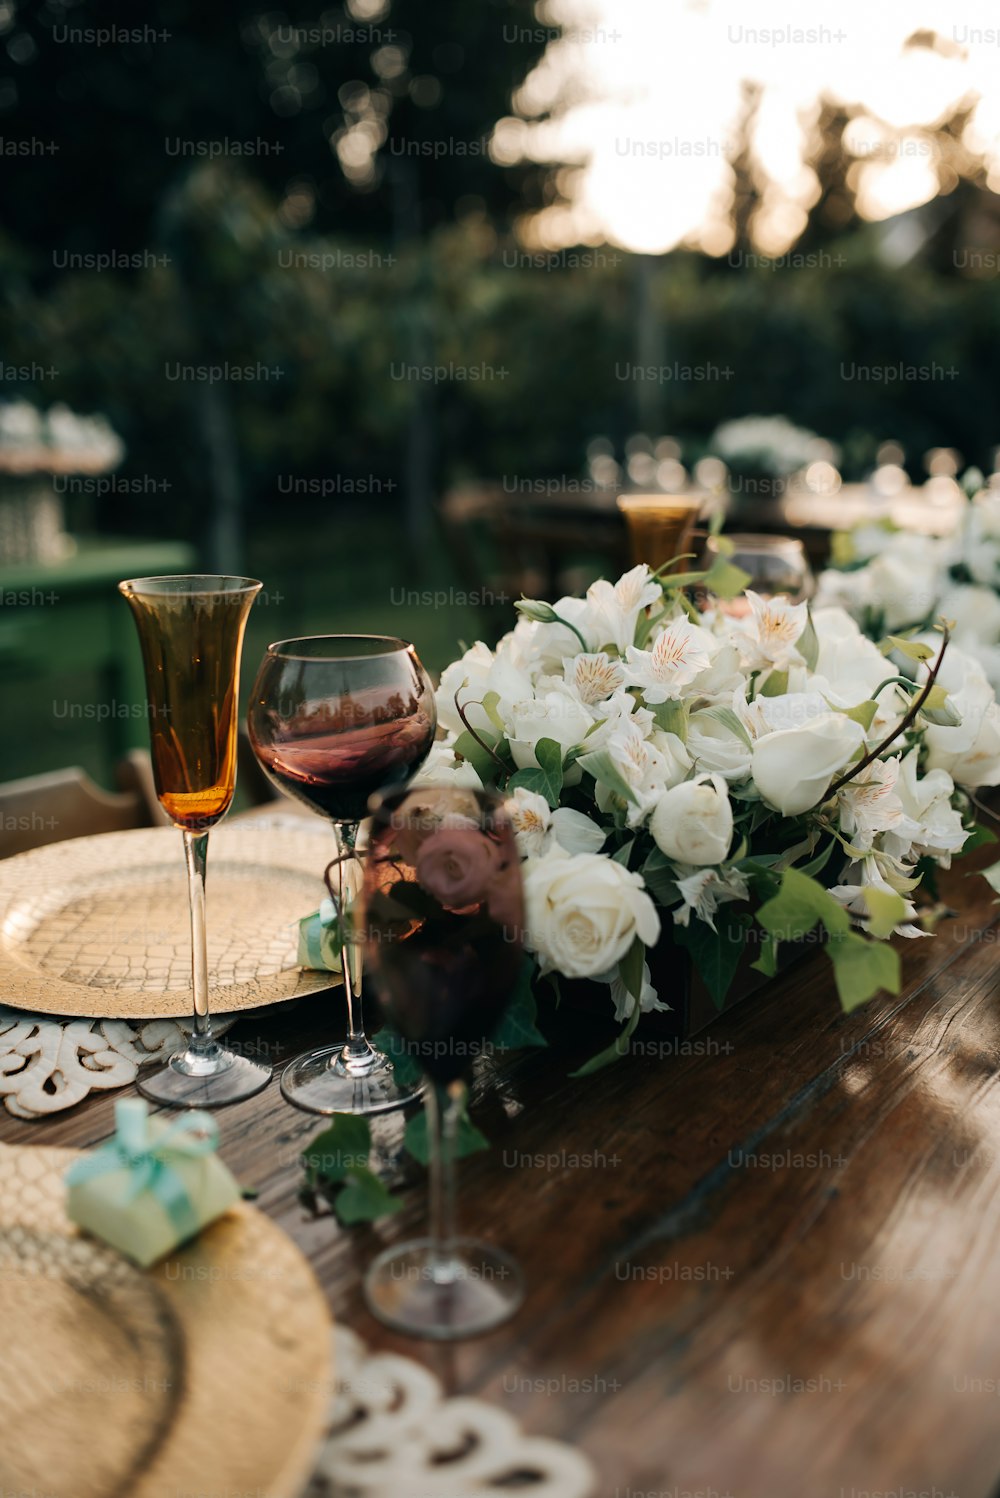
{"x":660,"y":528}
{"x":188,"y":656}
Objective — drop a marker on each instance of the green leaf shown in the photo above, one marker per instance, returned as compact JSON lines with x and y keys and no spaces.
{"x":364,"y":1199}
{"x":992,"y":876}
{"x":630,"y":968}
{"x":728,"y":719}
{"x":599,"y":764}
{"x":618,"y":1048}
{"x":885,"y":911}
{"x":767,"y":962}
{"x":468,"y":1139}
{"x":343,"y":1146}
{"x":405,"y":1068}
{"x":468,"y":747}
{"x":715,"y":954}
{"x":818,"y":864}
{"x":808,"y":642}
{"x":672,"y":717}
{"x":776,"y":684}
{"x":864,"y":713}
{"x":624,"y":853}
{"x":547,"y":779}
{"x":912,"y":649}
{"x":518,"y":1028}
{"x":726,"y":580}
{"x":800,"y":903}
{"x":979,"y":836}
{"x":659,"y":877}
{"x":862,"y":968}
{"x":491,"y":704}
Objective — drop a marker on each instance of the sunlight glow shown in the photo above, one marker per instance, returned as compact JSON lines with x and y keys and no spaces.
{"x":646,"y":98}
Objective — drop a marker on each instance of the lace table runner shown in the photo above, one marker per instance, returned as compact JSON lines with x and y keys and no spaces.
{"x":393,"y":1433}
{"x":50,"y":1064}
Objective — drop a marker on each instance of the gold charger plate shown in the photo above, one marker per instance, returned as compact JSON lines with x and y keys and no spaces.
{"x":209,"y":1374}
{"x":99,"y":926}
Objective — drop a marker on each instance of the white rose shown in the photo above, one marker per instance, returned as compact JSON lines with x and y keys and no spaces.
{"x":793,"y":767}
{"x":971,"y":751}
{"x":584,"y":912}
{"x":478,"y":672}
{"x":554,"y":715}
{"x":692,"y":823}
{"x":974,"y":613}
{"x":441,"y":767}
{"x":716,"y":750}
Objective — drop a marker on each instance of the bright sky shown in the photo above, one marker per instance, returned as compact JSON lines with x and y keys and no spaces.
{"x":645,"y":95}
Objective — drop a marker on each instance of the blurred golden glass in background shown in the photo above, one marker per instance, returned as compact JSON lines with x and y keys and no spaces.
{"x":660,"y":526}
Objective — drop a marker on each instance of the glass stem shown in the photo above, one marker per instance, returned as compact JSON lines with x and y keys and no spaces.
{"x":196,"y":856}
{"x":442,"y":1130}
{"x":350,"y":950}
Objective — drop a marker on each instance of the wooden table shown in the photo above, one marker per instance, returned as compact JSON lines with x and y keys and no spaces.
{"x":768,"y":1267}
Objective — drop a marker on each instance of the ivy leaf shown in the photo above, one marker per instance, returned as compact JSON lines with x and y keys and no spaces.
{"x":518,"y":1028}
{"x":864,"y":713}
{"x":861,"y":968}
{"x":491,"y":703}
{"x":715,"y":954}
{"x":468,"y":1139}
{"x":726,"y":580}
{"x":885,"y":911}
{"x":979,"y":836}
{"x":468,"y":747}
{"x":767,"y":962}
{"x":912,"y":649}
{"x":800,"y":903}
{"x":599,"y":764}
{"x":405,"y":1068}
{"x":547,"y":779}
{"x":342,"y":1147}
{"x":364,"y":1199}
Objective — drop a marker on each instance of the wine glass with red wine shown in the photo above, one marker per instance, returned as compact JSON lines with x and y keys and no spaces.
{"x":334,"y":718}
{"x":442,"y":920}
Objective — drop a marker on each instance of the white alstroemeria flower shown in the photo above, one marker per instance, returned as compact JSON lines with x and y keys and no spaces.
{"x":769,"y":632}
{"x":863,"y":876}
{"x":478,"y":672}
{"x":679,"y":653}
{"x":625,"y":1002}
{"x":614,"y":608}
{"x":868,"y":804}
{"x":593,"y":678}
{"x":609,"y":717}
{"x":649,"y":765}
{"x":934,"y":826}
{"x":536,"y":826}
{"x":704,"y":890}
{"x":442,"y":767}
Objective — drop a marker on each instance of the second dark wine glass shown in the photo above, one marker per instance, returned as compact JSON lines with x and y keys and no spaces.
{"x":333,"y":719}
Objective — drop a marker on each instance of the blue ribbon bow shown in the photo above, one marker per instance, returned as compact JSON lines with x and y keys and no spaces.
{"x":150,"y":1163}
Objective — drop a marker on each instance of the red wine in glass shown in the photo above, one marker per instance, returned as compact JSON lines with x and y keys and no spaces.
{"x":443,"y":930}
{"x":334,"y":718}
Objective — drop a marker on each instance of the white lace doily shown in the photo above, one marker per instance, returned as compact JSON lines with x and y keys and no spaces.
{"x":50,"y":1064}
{"x":394,"y":1434}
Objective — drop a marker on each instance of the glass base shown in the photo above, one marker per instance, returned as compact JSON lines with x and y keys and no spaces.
{"x":321,"y":1082}
{"x":205,"y":1078}
{"x":475,"y":1288}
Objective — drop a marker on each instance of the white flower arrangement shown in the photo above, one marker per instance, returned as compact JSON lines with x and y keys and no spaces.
{"x":890,"y":579}
{"x":739,"y":775}
{"x":772,"y":444}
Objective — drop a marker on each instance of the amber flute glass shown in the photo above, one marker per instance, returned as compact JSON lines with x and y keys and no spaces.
{"x":191,"y":635}
{"x":334,"y":718}
{"x":442,"y":919}
{"x":660,"y":526}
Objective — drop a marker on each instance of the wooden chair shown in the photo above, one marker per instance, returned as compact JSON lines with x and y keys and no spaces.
{"x":66,"y":803}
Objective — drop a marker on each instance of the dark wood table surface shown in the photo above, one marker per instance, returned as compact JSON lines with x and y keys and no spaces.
{"x":767,"y":1265}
